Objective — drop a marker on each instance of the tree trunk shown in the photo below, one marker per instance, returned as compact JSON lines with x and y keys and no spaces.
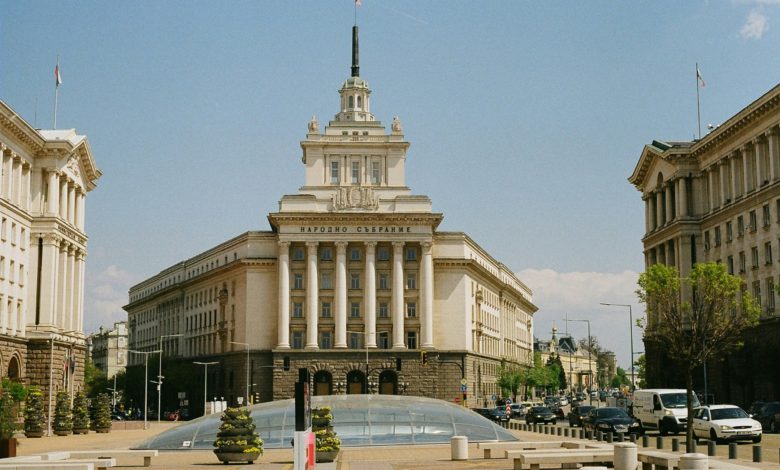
{"x":689,"y":405}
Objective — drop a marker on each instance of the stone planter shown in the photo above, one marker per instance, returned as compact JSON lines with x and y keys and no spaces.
{"x":8,"y":448}
{"x":327,"y":456}
{"x":103,"y":430}
{"x":63,"y":433}
{"x":227,"y":457}
{"x":33,"y":433}
{"x":81,"y":431}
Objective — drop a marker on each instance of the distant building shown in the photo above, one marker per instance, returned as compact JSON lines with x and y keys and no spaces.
{"x":109,"y":349}
{"x":718,"y":199}
{"x":577,"y":365}
{"x":46,"y":175}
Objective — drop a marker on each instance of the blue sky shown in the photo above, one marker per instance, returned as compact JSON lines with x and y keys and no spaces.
{"x":525,"y":120}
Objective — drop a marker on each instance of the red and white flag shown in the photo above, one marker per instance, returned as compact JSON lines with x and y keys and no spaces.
{"x":57,"y":76}
{"x":698,"y":77}
{"x":357,"y":3}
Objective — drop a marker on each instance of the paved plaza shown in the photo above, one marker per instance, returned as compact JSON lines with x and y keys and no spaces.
{"x":415,"y":457}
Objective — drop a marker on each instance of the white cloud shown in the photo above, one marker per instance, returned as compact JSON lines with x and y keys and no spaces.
{"x":104,"y":295}
{"x":755,"y":26}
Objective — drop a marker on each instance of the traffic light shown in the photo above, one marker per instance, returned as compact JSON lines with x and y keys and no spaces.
{"x":424,"y":357}
{"x":286,"y":362}
{"x":398,"y":364}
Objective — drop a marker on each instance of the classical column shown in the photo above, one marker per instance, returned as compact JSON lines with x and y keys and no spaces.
{"x":17,"y":184}
{"x":659,"y":209}
{"x":341,"y":295}
{"x":51,"y":196}
{"x":79,"y":304}
{"x":48,"y":286}
{"x":24,"y":203}
{"x":70,"y":298}
{"x":710,"y":190}
{"x":771,"y":148}
{"x":283,"y":331}
{"x":62,"y":285}
{"x":668,"y":216}
{"x":312,"y":295}
{"x":733,"y":176}
{"x":398,"y":296}
{"x":80,"y":203}
{"x":647,"y":215}
{"x":369,"y":296}
{"x":71,"y":203}
{"x":426,"y":273}
{"x":757,"y":156}
{"x":63,"y":193}
{"x":723,"y":169}
{"x":747,"y":168}
{"x":683,"y":195}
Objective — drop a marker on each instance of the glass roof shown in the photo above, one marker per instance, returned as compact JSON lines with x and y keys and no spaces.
{"x":359,"y":420}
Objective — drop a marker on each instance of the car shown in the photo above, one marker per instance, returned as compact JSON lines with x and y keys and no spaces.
{"x":563,"y":401}
{"x":540,"y":414}
{"x":725,"y":423}
{"x":485,"y":412}
{"x":611,"y":419}
{"x":577,"y":414}
{"x":558,"y":412}
{"x":518,"y":410}
{"x":602,"y":395}
{"x":755,"y":407}
{"x":769,"y":416}
{"x":579,"y":396}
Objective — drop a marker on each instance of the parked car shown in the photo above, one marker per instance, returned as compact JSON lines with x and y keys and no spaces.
{"x":755,"y":407}
{"x":769,"y":416}
{"x":540,"y":414}
{"x":558,"y":412}
{"x":578,"y":413}
{"x":609,"y":419}
{"x":725,"y":422}
{"x":485,"y":412}
{"x":518,"y":410}
{"x":498,"y":414}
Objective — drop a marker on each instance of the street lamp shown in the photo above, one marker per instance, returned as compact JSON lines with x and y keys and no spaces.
{"x":205,"y":381}
{"x":630,"y":334}
{"x":247,"y":368}
{"x":590,"y":363}
{"x":365,"y":345}
{"x":146,"y":376}
{"x":160,"y":377}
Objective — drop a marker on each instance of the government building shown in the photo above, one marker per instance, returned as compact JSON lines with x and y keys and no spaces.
{"x":354,"y":282}
{"x":718,"y":199}
{"x":46,"y":175}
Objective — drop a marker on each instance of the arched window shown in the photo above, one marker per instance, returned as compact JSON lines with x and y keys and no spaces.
{"x":323,"y":383}
{"x":356,"y":382}
{"x":351,"y":102}
{"x":388,"y":383}
{"x":360,"y":101}
{"x":13,"y":369}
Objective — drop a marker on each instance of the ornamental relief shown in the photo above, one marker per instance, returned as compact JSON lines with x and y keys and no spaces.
{"x":355,"y":198}
{"x":73,"y":166}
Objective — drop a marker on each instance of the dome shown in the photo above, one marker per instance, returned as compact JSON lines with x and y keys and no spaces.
{"x":359,"y":420}
{"x":354,"y":82}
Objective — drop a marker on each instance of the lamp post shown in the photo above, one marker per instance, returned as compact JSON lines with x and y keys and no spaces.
{"x":146,"y":377}
{"x":205,"y":381}
{"x":365,"y":345}
{"x":247,"y":368}
{"x":630,"y":335}
{"x":160,"y":377}
{"x":590,"y":363}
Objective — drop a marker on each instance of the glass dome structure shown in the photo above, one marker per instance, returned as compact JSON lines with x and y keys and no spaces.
{"x":359,"y":420}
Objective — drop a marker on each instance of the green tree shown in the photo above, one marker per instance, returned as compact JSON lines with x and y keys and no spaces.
{"x":693,"y":331}
{"x":95,"y":380}
{"x":554,"y":362}
{"x":640,"y":364}
{"x":620,"y":378}
{"x":510,"y":379}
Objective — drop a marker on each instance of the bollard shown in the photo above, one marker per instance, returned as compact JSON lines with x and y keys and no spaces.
{"x":459,"y":447}
{"x":675,"y":444}
{"x":560,"y":431}
{"x":693,"y":462}
{"x":565,"y":432}
{"x":582,"y":433}
{"x":645,"y":441}
{"x":598,"y":435}
{"x":625,"y":456}
{"x":691,"y":447}
{"x":632,"y":438}
{"x":712,"y":449}
{"x":659,"y":442}
{"x":756,"y":453}
{"x":609,"y":437}
{"x":619,"y":437}
{"x":732,"y":450}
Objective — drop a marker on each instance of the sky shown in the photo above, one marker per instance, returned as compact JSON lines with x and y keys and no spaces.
{"x":525,"y":120}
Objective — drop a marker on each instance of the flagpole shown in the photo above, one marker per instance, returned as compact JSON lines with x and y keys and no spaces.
{"x":57,"y":92}
{"x":698,"y":107}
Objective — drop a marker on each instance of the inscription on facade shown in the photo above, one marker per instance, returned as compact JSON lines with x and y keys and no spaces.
{"x":371,"y":229}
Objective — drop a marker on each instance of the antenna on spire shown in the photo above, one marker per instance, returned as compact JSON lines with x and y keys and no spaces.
{"x":355,"y":61}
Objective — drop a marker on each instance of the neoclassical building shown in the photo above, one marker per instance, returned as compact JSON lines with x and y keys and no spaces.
{"x":108,"y":349}
{"x":352,"y":276}
{"x":718,"y":199}
{"x":46,"y":175}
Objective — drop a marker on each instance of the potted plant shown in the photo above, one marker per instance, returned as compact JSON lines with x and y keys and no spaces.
{"x":63,"y":417}
{"x":80,"y":414}
{"x":101,"y":413}
{"x":8,"y":425}
{"x":328,"y":444}
{"x":34,"y":418}
{"x":237,"y":440}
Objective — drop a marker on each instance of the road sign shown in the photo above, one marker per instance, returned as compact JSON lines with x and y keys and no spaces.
{"x":463,"y":381}
{"x":463,"y":388}
{"x":494,"y":397}
{"x":508,"y":409}
{"x":508,"y":400}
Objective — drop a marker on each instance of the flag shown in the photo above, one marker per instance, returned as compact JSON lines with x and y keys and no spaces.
{"x":57,"y":76}
{"x":698,"y":77}
{"x":357,"y":3}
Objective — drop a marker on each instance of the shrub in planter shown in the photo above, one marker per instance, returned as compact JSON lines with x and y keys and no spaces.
{"x":63,"y":417}
{"x":237,"y":440}
{"x":34,"y":419}
{"x":328,"y":444}
{"x":81,"y":419}
{"x":101,"y":413}
{"x":8,"y":426}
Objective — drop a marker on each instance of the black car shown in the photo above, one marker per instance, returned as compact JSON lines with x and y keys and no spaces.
{"x":540,"y":414}
{"x":578,"y":413}
{"x":483,"y":412}
{"x":613,"y":420}
{"x":769,"y":416}
{"x":498,"y":414}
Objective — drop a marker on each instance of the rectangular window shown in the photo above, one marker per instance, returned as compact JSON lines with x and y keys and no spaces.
{"x":326,"y":281}
{"x":384,"y":340}
{"x":23,"y":240}
{"x":740,"y":226}
{"x":742,"y":261}
{"x":326,"y":253}
{"x":411,"y":253}
{"x":354,"y":281}
{"x":706,"y":240}
{"x":355,"y":172}
{"x":334,"y":172}
{"x":13,"y":233}
{"x":354,"y":340}
{"x":411,"y":340}
{"x":11,"y":272}
{"x":757,"y":292}
{"x":354,"y":310}
{"x":354,"y":254}
{"x":768,"y":253}
{"x":767,"y":215}
{"x":384,"y":312}
{"x":21,"y":274}
{"x":729,"y":232}
{"x":730,"y":264}
{"x":770,"y":294}
{"x":298,"y":254}
{"x":297,"y":281}
{"x":753,"y":221}
{"x":374,"y":172}
{"x":3,"y":228}
{"x":326,"y":312}
{"x":297,"y":310}
{"x":384,"y":280}
{"x":717,"y":236}
{"x":754,"y":257}
{"x":411,"y":309}
{"x":297,"y":340}
{"x":411,"y":281}
{"x":383,"y":253}
{"x":2,"y":267}
{"x":326,"y":340}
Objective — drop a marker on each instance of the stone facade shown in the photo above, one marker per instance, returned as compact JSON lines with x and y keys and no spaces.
{"x":108,"y":349}
{"x":718,"y":199}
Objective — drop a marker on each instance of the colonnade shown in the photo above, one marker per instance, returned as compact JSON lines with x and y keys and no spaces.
{"x":65,"y":198}
{"x":369,"y":295}
{"x":15,"y":180}
{"x":62,"y":280}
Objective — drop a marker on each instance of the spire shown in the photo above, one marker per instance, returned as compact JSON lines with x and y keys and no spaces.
{"x":355,"y":62}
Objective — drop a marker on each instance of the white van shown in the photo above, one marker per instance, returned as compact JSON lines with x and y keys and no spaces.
{"x":663,"y":409}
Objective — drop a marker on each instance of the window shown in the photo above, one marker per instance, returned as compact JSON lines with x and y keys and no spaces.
{"x":298,"y":254}
{"x":740,"y":226}
{"x":23,"y":239}
{"x":297,"y":310}
{"x":411,"y":281}
{"x":384,"y":280}
{"x":777,"y":209}
{"x":354,"y":281}
{"x":326,"y":281}
{"x":754,"y":257}
{"x":354,"y":340}
{"x":326,"y":312}
{"x":3,"y":228}
{"x":326,"y":340}
{"x":411,"y":309}
{"x":742,"y":261}
{"x":384,"y":312}
{"x":383,"y":253}
{"x":767,"y":215}
{"x":326,"y":253}
{"x":354,"y":254}
{"x":729,"y":232}
{"x":753,"y":222}
{"x":2,"y":267}
{"x":768,"y":253}
{"x":334,"y":172}
{"x":411,"y":253}
{"x":11,"y":272}
{"x":384,"y":340}
{"x":355,"y":172}
{"x":13,"y":233}
{"x":717,"y":236}
{"x":411,"y":339}
{"x":374,"y":172}
{"x":730,"y":264}
{"x":297,"y":281}
{"x":770,"y":294}
{"x":757,"y":292}
{"x":706,"y":240}
{"x":21,"y":274}
{"x":297,"y":340}
{"x":354,"y":310}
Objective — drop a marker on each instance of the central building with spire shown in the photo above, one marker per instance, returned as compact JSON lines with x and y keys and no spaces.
{"x":353,"y":282}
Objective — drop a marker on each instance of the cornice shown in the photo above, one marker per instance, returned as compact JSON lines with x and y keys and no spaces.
{"x":356,"y":218}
